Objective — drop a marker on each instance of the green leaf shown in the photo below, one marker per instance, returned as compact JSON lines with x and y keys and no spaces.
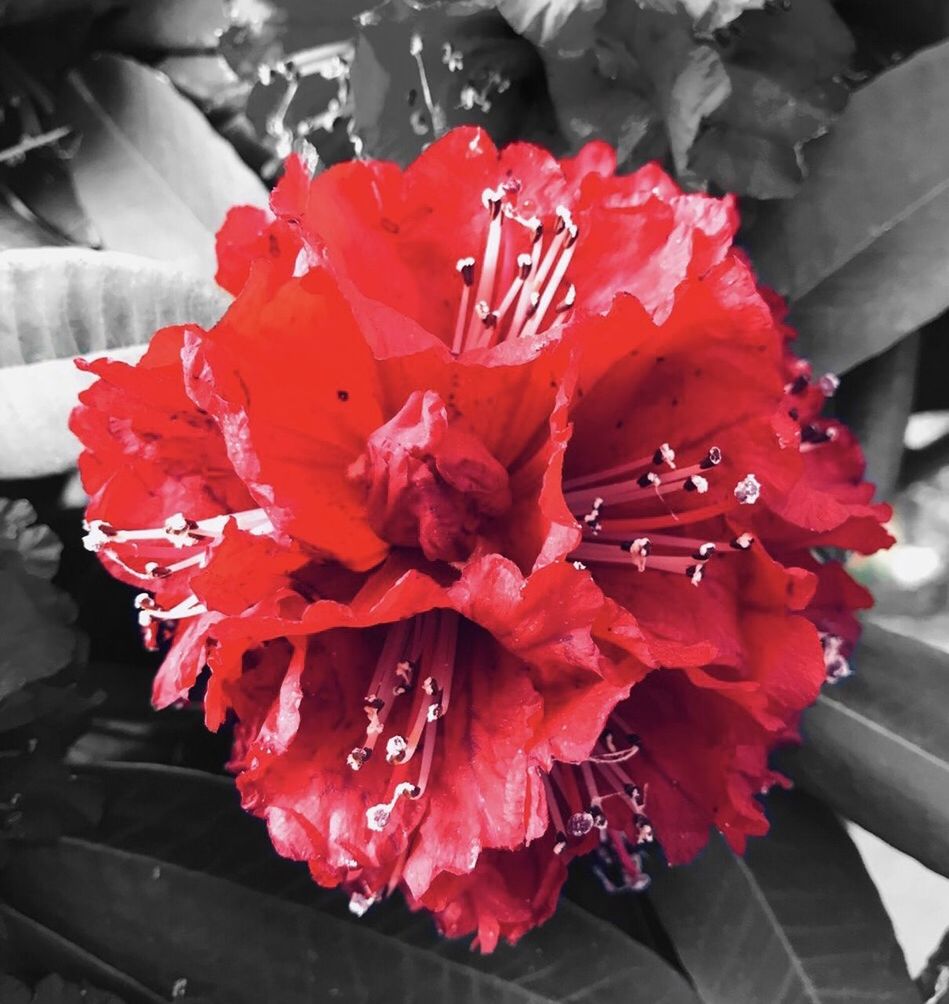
{"x":20,"y":11}
{"x":53,"y":989}
{"x":876,"y":747}
{"x":798,"y":921}
{"x":145,"y":913}
{"x":17,"y":231}
{"x":43,"y":185}
{"x":63,"y":302}
{"x":933,"y":981}
{"x":569,"y":22}
{"x":490,"y":79}
{"x":153,"y":176}
{"x":861,"y":251}
{"x":37,"y":638}
{"x":39,"y":948}
{"x":875,"y":401}
{"x":180,"y":25}
{"x":734,"y":111}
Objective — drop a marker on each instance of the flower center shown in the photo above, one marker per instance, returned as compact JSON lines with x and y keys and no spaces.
{"x":430,"y":484}
{"x":648,"y":494}
{"x":496,"y":308}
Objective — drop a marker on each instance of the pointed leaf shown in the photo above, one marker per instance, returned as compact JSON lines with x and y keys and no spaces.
{"x":798,"y":921}
{"x":64,"y":302}
{"x":876,"y":746}
{"x":153,"y":176}
{"x":861,"y":250}
{"x":38,"y":946}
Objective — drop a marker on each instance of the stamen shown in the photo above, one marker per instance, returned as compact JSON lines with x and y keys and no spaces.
{"x":377,"y":816}
{"x":610,"y":554}
{"x":664,"y":454}
{"x":491,"y":199}
{"x":580,"y":824}
{"x":437,"y":115}
{"x":638,"y":551}
{"x":149,"y":611}
{"x":568,"y":301}
{"x":742,"y":542}
{"x":619,"y":528}
{"x":524,"y":265}
{"x":748,"y":490}
{"x":553,"y":808}
{"x":812,"y":437}
{"x":177,"y":530}
{"x":569,"y":242}
{"x":712,"y":459}
{"x":592,"y":519}
{"x":395,"y":748}
{"x":465,"y":267}
{"x":359,"y":903}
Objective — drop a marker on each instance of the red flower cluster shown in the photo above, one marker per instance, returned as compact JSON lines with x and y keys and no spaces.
{"x":491,"y":507}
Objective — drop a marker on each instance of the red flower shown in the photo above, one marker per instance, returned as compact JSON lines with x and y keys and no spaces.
{"x":478,"y":448}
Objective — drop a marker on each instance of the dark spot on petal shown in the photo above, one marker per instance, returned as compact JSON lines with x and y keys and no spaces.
{"x":390,"y":225}
{"x":343,"y":395}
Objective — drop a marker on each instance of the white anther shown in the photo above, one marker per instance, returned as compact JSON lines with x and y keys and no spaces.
{"x":358,"y":757}
{"x":828,"y":384}
{"x":698,"y":483}
{"x":639,"y":552}
{"x":98,"y":534}
{"x":668,"y":455}
{"x":580,"y":824}
{"x":359,"y":904}
{"x":434,"y":712}
{"x":415,"y":45}
{"x":743,"y":541}
{"x":570,"y":298}
{"x":465,"y":268}
{"x":579,"y":566}
{"x":395,"y":748}
{"x":564,"y":217}
{"x":490,"y":197}
{"x":377,"y":816}
{"x":748,"y":490}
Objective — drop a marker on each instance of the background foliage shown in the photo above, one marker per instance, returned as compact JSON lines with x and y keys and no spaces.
{"x":127,"y":127}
